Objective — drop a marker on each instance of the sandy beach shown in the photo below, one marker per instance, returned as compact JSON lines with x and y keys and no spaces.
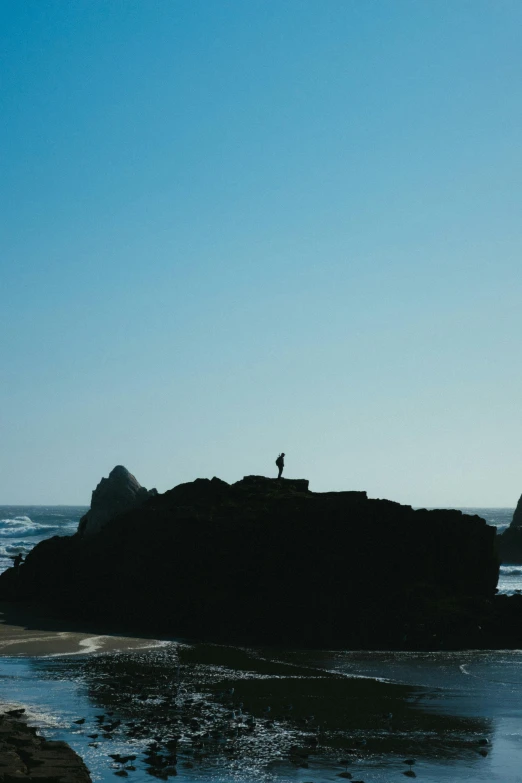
{"x":27,"y":633}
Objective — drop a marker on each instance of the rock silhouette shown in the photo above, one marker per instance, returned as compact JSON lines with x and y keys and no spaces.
{"x":510,"y":541}
{"x":269,"y":560}
{"x":114,"y":495}
{"x":517,"y":515}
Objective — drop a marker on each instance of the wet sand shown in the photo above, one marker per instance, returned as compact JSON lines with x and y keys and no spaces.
{"x":27,"y":633}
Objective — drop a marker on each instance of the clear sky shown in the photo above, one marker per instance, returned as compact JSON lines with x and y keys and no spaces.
{"x":230,"y":229}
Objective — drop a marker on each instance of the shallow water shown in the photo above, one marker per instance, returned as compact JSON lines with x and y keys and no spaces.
{"x":281,"y":715}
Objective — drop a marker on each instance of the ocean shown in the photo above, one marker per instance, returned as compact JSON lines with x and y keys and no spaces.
{"x":210,"y":713}
{"x":22,"y":527}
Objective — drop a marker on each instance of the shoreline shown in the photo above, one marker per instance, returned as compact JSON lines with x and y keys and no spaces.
{"x":26,"y":633}
{"x":33,"y":631}
{"x":246,"y":711}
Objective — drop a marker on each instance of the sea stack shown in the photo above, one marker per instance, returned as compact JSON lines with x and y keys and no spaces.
{"x":510,"y":542}
{"x":118,"y":493}
{"x":517,"y":516}
{"x":269,"y":560}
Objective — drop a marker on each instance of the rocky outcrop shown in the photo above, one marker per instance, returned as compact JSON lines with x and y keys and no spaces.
{"x":24,"y":755}
{"x":510,"y":541}
{"x":267,"y":559}
{"x":256,"y":484}
{"x":510,"y":546}
{"x":113,"y":496}
{"x":517,"y":516}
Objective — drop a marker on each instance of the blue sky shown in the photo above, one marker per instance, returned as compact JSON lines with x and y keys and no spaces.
{"x":230,"y":229}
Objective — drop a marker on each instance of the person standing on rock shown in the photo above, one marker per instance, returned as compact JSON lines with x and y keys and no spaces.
{"x":280,"y":462}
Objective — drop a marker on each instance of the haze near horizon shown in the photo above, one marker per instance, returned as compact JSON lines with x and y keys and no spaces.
{"x":234,"y":229}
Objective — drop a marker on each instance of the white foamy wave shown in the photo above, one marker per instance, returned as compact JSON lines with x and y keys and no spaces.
{"x":511,"y":570}
{"x":13,"y":549}
{"x":22,"y":526}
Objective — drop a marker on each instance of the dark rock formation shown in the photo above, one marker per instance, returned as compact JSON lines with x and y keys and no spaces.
{"x":114,"y":495}
{"x":517,"y":516}
{"x":266,"y":559}
{"x":24,"y":755}
{"x":510,"y":541}
{"x":256,"y":484}
{"x":510,"y":546}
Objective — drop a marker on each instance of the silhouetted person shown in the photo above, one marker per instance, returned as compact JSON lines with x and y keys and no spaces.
{"x":18,"y":560}
{"x":280,"y":462}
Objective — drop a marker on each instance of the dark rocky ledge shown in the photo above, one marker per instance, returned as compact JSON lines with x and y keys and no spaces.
{"x":24,"y":755}
{"x":271,"y":561}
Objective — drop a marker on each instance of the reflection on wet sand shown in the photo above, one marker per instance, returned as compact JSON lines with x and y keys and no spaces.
{"x":226,"y":711}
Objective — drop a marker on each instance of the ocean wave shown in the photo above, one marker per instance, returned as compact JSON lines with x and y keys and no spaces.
{"x":19,"y":519}
{"x":28,"y":530}
{"x":22,"y":526}
{"x":511,"y":570}
{"x":13,"y":549}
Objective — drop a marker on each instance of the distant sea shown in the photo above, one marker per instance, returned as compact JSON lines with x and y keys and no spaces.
{"x":22,"y":527}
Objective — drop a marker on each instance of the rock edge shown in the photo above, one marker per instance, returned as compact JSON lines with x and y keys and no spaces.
{"x":25,"y":755}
